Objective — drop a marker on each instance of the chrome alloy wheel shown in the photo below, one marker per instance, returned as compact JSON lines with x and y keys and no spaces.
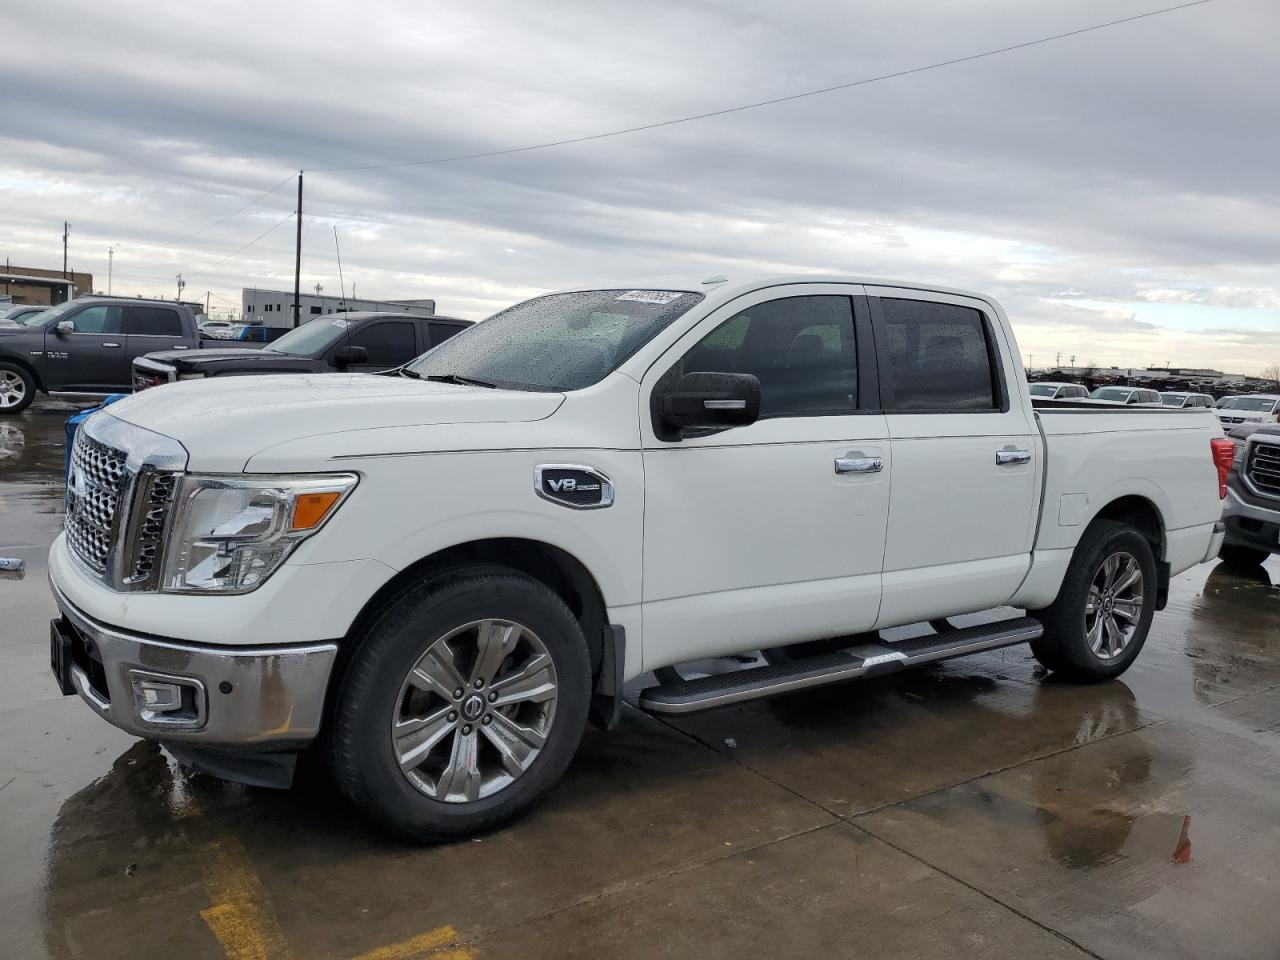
{"x":1114,"y":605}
{"x":474,"y":711}
{"x":13,"y":389}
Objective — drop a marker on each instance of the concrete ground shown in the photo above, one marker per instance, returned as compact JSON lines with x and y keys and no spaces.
{"x":977,"y":809}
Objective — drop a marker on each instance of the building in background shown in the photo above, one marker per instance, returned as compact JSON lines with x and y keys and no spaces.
{"x":43,"y":288}
{"x":274,"y":308}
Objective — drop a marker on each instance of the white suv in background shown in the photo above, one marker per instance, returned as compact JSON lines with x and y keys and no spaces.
{"x":1058,"y":391}
{"x":1179,"y":399}
{"x":1253,"y":408}
{"x":1133,"y":396}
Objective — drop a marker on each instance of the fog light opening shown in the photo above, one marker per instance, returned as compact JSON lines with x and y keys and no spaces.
{"x":164,"y":700}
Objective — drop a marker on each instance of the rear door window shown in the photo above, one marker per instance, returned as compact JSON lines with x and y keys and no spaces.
{"x":935,"y":358}
{"x":440,"y":332}
{"x":154,"y":322}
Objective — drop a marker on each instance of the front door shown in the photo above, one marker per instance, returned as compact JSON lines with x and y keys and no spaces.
{"x":966,"y":456}
{"x":771,"y":533}
{"x":92,"y":358}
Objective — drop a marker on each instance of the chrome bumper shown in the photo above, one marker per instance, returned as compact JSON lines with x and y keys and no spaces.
{"x":232,"y":697}
{"x":1215,"y":542}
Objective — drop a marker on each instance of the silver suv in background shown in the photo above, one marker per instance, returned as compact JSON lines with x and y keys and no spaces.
{"x":1058,"y":391}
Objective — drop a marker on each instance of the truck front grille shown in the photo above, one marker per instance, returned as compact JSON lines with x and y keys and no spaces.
{"x":1263,"y":469}
{"x":116,"y":516}
{"x":96,"y":486}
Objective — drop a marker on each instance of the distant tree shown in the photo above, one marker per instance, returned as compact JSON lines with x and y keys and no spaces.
{"x":1271,"y":374}
{"x":1089,"y":375}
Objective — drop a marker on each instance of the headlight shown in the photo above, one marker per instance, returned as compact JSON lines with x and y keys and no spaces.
{"x":231,"y":533}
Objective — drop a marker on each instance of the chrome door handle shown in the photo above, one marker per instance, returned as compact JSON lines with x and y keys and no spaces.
{"x":1006,"y":458}
{"x":859,"y":464}
{"x":111,"y":344}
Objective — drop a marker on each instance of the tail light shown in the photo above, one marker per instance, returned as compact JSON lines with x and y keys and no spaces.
{"x":1224,"y":451}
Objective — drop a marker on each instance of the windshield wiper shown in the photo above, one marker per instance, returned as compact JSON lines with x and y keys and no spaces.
{"x":458,"y":378}
{"x":406,"y":372}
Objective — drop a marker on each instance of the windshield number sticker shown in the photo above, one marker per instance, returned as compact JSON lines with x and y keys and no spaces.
{"x":651,"y":296}
{"x":341,"y":323}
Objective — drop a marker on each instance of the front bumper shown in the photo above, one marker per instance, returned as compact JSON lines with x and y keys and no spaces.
{"x":268,"y":698}
{"x":1250,"y":524}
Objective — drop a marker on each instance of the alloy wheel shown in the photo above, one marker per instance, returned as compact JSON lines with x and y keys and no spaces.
{"x":474,"y":711}
{"x":13,"y":389}
{"x":1113,"y":608}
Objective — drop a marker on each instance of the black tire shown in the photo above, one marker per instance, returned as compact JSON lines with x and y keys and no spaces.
{"x":1239,"y":555}
{"x":1065,"y":647}
{"x":369,"y":696}
{"x":17,"y":388}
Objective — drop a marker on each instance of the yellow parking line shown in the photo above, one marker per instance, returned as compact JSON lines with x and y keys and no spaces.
{"x":240,"y":916}
{"x":424,"y":945}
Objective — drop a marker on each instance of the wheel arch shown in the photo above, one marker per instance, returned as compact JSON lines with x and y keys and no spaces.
{"x":25,"y":365}
{"x":1144,"y":516}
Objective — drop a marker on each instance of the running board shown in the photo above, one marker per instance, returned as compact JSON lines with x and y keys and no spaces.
{"x":864,"y":660}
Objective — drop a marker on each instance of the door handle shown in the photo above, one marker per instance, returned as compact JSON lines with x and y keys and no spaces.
{"x":111,"y":345}
{"x":859,"y":464}
{"x":1005,"y":458}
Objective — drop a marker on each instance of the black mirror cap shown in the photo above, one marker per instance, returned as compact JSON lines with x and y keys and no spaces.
{"x":348,"y":355}
{"x":709,"y":401}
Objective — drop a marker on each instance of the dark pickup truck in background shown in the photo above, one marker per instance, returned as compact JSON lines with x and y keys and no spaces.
{"x":87,"y":346}
{"x":349,"y":342}
{"x":1252,"y":508}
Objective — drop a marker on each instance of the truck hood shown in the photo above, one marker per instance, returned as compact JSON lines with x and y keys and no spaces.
{"x":189,"y":357}
{"x":224,"y":421}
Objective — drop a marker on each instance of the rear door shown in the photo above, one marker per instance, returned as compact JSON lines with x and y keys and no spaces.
{"x":965,"y":456}
{"x":151,"y":329}
{"x":442,"y":331}
{"x":93,"y":357}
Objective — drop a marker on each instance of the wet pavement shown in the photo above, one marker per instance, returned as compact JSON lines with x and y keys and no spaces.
{"x":975,"y":809}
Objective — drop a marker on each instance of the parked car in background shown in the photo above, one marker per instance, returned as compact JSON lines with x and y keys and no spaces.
{"x":1253,"y":408}
{"x":1252,"y":510}
{"x":21,"y":315}
{"x":441,"y":574}
{"x":87,"y":345}
{"x":355,"y":342}
{"x":1179,"y":400}
{"x":216,"y":329}
{"x":1058,"y":391}
{"x":1132,"y":396}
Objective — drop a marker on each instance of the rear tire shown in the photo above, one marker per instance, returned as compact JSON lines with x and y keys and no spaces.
{"x":1096,"y":627}
{"x":17,"y":388}
{"x":462,"y":705}
{"x":1238,"y":555}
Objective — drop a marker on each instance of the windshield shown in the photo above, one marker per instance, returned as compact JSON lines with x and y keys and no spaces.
{"x":565,"y":341}
{"x":1043,"y":390}
{"x":314,"y":336}
{"x":1259,"y":404}
{"x":26,"y":317}
{"x":45,"y":317}
{"x":1173,"y":399}
{"x":1111,"y":393}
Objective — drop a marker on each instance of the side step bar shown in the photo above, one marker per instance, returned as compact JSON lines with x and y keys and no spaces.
{"x":865,"y":660}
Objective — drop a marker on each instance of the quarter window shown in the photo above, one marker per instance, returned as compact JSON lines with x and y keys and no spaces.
{"x":938,"y":358}
{"x":800,"y":348}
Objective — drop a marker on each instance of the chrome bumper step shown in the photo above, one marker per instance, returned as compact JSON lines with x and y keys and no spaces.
{"x":864,"y":660}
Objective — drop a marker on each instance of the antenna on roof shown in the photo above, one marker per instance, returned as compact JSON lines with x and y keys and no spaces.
{"x":342,"y":288}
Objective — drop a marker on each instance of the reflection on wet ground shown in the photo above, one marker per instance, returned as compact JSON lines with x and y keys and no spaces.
{"x":975,"y":809}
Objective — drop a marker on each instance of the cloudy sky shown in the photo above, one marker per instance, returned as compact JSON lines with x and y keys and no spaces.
{"x":1118,"y":191}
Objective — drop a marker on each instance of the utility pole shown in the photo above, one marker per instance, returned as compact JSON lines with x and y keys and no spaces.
{"x":297,"y":261}
{"x":319,"y":288}
{"x":206,"y":303}
{"x":1057,"y":362}
{"x":66,"y":232}
{"x":111,"y":256}
{"x":1073,"y":360}
{"x":1030,"y":358}
{"x":181,"y":283}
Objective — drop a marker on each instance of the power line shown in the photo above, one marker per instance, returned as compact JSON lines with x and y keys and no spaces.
{"x":236,"y":253}
{"x":215,"y":223}
{"x":764,"y":103}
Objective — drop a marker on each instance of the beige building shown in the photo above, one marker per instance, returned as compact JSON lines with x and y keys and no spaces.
{"x":43,"y":287}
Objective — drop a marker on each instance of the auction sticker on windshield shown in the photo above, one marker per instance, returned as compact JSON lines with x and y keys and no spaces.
{"x":652,"y":296}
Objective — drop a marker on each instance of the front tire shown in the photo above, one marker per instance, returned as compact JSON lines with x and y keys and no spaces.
{"x":1096,"y":627}
{"x":462,"y":705}
{"x":17,"y":388}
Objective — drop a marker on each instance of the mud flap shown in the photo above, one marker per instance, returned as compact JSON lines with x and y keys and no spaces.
{"x":606,"y":699}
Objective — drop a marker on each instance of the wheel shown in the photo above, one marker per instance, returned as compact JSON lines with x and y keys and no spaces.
{"x":462,"y":705}
{"x":1238,"y":555}
{"x":17,"y":388}
{"x":1099,"y":622}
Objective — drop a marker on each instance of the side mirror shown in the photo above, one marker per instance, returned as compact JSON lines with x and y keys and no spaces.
{"x":63,"y":327}
{"x":709,"y":401}
{"x":348,"y":356}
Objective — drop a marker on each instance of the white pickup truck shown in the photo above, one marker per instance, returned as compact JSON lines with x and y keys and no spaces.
{"x":437,"y":577}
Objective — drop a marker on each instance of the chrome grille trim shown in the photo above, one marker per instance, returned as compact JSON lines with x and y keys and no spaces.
{"x":121,"y":488}
{"x":1262,"y":468}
